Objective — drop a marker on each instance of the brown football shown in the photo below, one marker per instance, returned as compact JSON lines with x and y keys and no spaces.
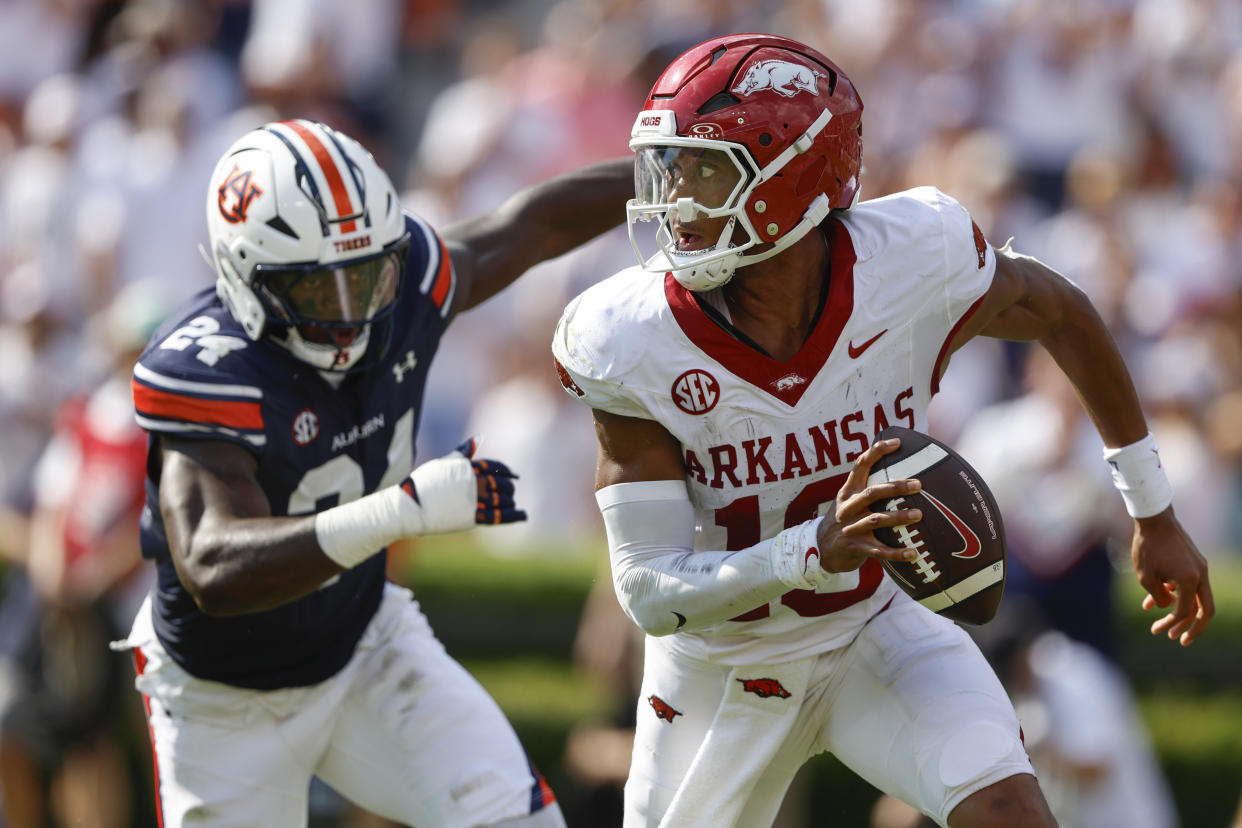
{"x":960,"y":568}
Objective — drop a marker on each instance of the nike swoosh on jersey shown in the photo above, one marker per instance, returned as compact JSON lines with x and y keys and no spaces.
{"x":857,"y":350}
{"x":681,"y":620}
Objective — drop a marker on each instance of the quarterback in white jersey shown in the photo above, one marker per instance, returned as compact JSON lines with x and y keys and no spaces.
{"x":738,"y":378}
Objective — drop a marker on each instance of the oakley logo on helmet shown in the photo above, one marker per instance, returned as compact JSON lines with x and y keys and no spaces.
{"x":240,"y":192}
{"x":781,"y":76}
{"x":707,"y":131}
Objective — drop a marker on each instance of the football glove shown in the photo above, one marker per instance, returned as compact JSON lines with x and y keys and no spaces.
{"x":456,"y":492}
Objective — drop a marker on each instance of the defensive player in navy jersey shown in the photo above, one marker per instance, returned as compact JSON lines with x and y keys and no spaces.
{"x":282,"y":409}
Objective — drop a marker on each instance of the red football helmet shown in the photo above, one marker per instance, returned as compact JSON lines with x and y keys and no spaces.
{"x":759,"y":129}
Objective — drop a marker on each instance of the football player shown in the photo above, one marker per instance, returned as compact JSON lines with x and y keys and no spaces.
{"x":737,"y":378}
{"x":282,"y":409}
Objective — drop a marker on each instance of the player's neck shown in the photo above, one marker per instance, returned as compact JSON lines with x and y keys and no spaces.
{"x":775,"y":302}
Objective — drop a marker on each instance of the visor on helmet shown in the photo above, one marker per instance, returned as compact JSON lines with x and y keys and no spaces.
{"x":667,"y":175}
{"x":345,"y":294}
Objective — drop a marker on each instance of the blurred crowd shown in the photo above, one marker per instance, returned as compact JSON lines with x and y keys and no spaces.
{"x":1103,"y":136}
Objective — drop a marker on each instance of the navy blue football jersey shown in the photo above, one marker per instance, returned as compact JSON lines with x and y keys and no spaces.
{"x":316,"y":446}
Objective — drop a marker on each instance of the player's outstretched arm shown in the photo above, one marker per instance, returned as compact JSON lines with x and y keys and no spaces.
{"x":234,"y":556}
{"x":541,"y":222}
{"x":1029,"y":301}
{"x":665,"y":585}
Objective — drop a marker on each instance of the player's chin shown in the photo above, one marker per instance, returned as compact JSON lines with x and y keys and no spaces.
{"x":340,"y":337}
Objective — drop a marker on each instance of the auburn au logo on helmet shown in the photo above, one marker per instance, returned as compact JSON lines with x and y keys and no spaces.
{"x":236,"y":194}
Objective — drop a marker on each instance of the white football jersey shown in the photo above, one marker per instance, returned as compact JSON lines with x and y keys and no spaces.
{"x":767,"y":444}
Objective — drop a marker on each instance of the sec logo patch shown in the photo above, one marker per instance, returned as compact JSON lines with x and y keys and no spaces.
{"x":305,"y":427}
{"x":696,"y":391}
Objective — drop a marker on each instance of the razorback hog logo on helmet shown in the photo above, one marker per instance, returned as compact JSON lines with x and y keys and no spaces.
{"x":236,"y":195}
{"x":663,"y":709}
{"x":781,"y":76}
{"x":764,"y":688}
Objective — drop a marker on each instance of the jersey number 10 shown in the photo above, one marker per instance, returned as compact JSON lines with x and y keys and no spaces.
{"x":740,"y":520}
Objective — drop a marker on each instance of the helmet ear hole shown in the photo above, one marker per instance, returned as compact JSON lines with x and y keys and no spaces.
{"x":808,"y":182}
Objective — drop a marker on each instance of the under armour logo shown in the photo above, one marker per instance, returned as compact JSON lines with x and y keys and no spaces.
{"x":399,"y":369}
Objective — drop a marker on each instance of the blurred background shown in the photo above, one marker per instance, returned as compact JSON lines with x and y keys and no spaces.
{"x":1103,"y":136}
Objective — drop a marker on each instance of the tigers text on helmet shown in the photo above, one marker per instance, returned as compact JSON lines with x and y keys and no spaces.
{"x":308,"y":242}
{"x":761,"y":131}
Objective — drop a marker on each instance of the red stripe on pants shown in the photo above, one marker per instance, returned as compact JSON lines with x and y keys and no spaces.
{"x":140,"y":664}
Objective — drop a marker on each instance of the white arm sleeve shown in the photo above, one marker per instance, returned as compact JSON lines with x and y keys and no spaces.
{"x":665,"y":586}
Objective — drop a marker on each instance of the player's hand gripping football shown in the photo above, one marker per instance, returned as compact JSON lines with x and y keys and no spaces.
{"x":847,"y":533}
{"x":456,"y":492}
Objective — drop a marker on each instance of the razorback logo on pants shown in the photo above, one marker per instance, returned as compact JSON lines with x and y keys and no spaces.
{"x":663,"y":709}
{"x":764,"y":687}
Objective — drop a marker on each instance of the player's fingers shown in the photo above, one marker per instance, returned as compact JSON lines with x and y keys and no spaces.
{"x":861,"y":501}
{"x":487,"y":485}
{"x":856,"y":481}
{"x":495,"y":468}
{"x":1184,"y":590}
{"x":889,"y":553}
{"x":1196,"y":627}
{"x":468,"y":448}
{"x":1157,"y":590}
{"x":494,"y":517}
{"x":1206,"y":608}
{"x":871,"y":521}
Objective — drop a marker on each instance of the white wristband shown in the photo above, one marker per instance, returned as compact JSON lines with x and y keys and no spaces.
{"x":354,"y":531}
{"x":1140,"y":478}
{"x":446,"y":501}
{"x":795,"y":560}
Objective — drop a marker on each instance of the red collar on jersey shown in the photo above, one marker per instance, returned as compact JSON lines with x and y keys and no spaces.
{"x":757,"y":368}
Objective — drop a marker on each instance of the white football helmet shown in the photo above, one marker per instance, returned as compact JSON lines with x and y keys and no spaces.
{"x":308,"y":242}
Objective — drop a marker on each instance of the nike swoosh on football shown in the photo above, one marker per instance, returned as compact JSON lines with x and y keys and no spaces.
{"x":857,"y":350}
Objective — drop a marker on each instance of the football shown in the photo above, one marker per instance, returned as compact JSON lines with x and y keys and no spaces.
{"x":960,"y":541}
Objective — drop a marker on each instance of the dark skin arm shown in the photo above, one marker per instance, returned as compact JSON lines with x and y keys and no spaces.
{"x":1030,"y":302}
{"x":542,"y":222}
{"x":231,"y":555}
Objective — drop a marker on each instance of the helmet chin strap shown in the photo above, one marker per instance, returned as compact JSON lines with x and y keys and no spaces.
{"x":718,"y":272}
{"x":812,"y":218}
{"x":322,"y":356}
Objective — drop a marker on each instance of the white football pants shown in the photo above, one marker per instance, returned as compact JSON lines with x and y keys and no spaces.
{"x":402,"y":730}
{"x":910,"y":705}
